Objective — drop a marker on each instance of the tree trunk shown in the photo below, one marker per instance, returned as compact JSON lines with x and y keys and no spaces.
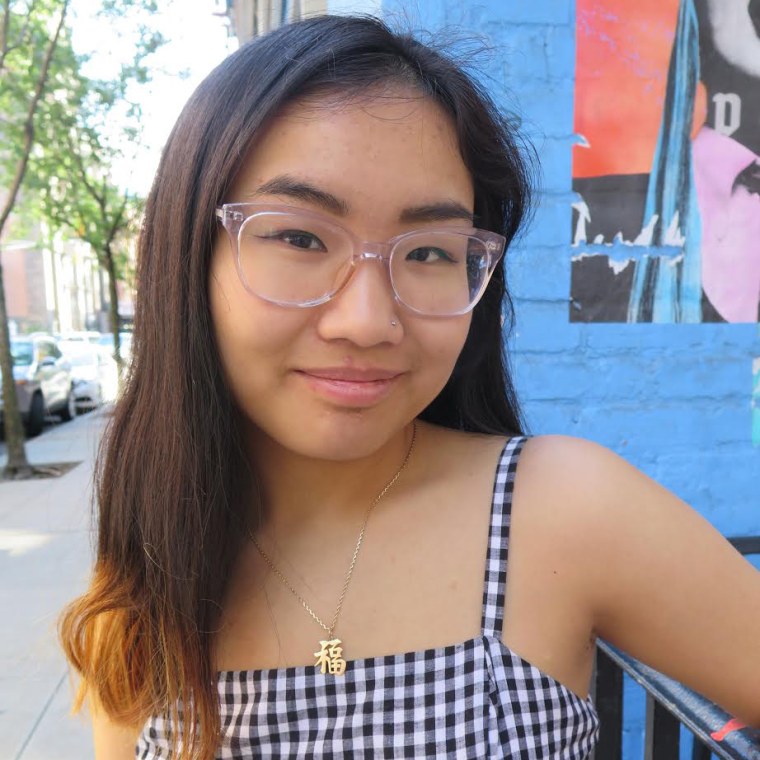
{"x":14,"y":432}
{"x":17,"y":464}
{"x":113,"y":310}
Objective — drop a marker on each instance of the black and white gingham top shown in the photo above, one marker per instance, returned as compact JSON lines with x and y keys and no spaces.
{"x":477,"y":699}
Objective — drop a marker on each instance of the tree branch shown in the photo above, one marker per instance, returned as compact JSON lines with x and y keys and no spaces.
{"x":4,"y":32}
{"x":20,"y":37}
{"x":77,"y":156}
{"x":118,"y":218}
{"x":29,"y":122}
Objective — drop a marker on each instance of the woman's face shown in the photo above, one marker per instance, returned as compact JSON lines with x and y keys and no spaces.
{"x":336,"y":381}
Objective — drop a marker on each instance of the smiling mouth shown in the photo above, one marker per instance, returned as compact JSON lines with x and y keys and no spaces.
{"x":349,"y":387}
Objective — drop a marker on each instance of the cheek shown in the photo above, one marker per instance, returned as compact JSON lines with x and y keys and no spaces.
{"x":239,"y":318}
{"x":441,"y":343}
{"x":249,"y":336}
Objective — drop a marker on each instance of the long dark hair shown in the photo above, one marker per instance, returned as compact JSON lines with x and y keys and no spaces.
{"x":171,"y":468}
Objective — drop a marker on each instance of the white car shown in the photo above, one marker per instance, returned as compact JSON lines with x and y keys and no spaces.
{"x":93,"y":371}
{"x":43,"y":381}
{"x":86,"y":336}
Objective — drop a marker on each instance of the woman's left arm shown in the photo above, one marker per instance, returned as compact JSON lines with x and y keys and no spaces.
{"x":665,"y":586}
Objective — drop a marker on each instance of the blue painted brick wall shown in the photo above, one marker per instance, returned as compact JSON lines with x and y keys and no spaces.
{"x":675,"y":400}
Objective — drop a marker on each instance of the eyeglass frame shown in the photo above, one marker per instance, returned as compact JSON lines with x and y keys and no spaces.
{"x":233,"y":219}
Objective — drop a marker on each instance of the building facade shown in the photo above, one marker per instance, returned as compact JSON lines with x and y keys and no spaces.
{"x":57,"y":286}
{"x":251,"y":18}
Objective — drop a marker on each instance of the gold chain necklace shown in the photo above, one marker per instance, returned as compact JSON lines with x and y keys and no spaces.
{"x":329,"y":658}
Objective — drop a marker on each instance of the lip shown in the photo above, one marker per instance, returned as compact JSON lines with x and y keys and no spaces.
{"x":351,"y":386}
{"x":353,"y":374}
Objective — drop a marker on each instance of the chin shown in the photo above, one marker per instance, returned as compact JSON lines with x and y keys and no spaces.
{"x":341,"y":436}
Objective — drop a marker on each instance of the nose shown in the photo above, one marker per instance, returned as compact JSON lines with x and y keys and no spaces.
{"x":365,"y":311}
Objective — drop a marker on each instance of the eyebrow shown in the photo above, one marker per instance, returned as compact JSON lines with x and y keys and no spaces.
{"x":437,"y":212}
{"x":301,"y":190}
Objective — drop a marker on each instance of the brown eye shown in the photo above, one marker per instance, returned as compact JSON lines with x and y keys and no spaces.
{"x":429,"y":255}
{"x":301,"y":239}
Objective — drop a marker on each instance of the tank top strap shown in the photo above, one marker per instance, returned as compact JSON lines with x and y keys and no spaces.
{"x":498,"y":538}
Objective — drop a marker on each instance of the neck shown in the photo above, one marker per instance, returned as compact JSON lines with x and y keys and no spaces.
{"x":301,"y":494}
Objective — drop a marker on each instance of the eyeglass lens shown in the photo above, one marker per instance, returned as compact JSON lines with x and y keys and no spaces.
{"x":297,"y":260}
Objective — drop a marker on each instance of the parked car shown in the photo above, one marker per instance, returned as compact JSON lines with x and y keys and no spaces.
{"x":94,"y":373}
{"x":44,"y":384}
{"x":86,"y":336}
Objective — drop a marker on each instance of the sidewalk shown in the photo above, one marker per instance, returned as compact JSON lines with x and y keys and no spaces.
{"x":45,"y":549}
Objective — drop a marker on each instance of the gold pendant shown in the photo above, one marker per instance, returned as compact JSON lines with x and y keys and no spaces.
{"x":330,"y":658}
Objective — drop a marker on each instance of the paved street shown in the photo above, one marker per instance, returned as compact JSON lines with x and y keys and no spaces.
{"x":44,"y":562}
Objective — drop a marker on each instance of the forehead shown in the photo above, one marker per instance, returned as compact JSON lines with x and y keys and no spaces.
{"x":389,"y":147}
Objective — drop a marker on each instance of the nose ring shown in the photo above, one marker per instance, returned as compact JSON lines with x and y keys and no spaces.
{"x":394,"y":323}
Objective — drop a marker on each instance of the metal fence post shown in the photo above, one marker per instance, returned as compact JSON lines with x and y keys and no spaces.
{"x":663,"y":732}
{"x":608,"y":698}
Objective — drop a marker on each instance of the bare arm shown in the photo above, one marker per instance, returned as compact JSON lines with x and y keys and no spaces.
{"x":112,"y":741}
{"x":660,"y":581}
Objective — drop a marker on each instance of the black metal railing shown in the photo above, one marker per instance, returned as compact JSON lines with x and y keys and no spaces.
{"x":669,"y":705}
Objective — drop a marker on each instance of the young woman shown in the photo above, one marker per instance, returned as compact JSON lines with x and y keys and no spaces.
{"x":310,"y":489}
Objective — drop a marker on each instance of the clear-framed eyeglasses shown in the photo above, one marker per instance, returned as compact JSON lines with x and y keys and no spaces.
{"x":298,"y":258}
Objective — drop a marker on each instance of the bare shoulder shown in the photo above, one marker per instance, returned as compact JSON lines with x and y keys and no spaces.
{"x":565,"y":460}
{"x":660,"y":582}
{"x":566,"y":487}
{"x":593,"y":492}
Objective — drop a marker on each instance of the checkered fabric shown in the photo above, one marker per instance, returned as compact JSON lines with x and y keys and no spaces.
{"x":477,"y":699}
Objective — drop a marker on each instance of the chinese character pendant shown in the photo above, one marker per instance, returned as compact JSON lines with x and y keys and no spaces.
{"x":330,"y":657}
